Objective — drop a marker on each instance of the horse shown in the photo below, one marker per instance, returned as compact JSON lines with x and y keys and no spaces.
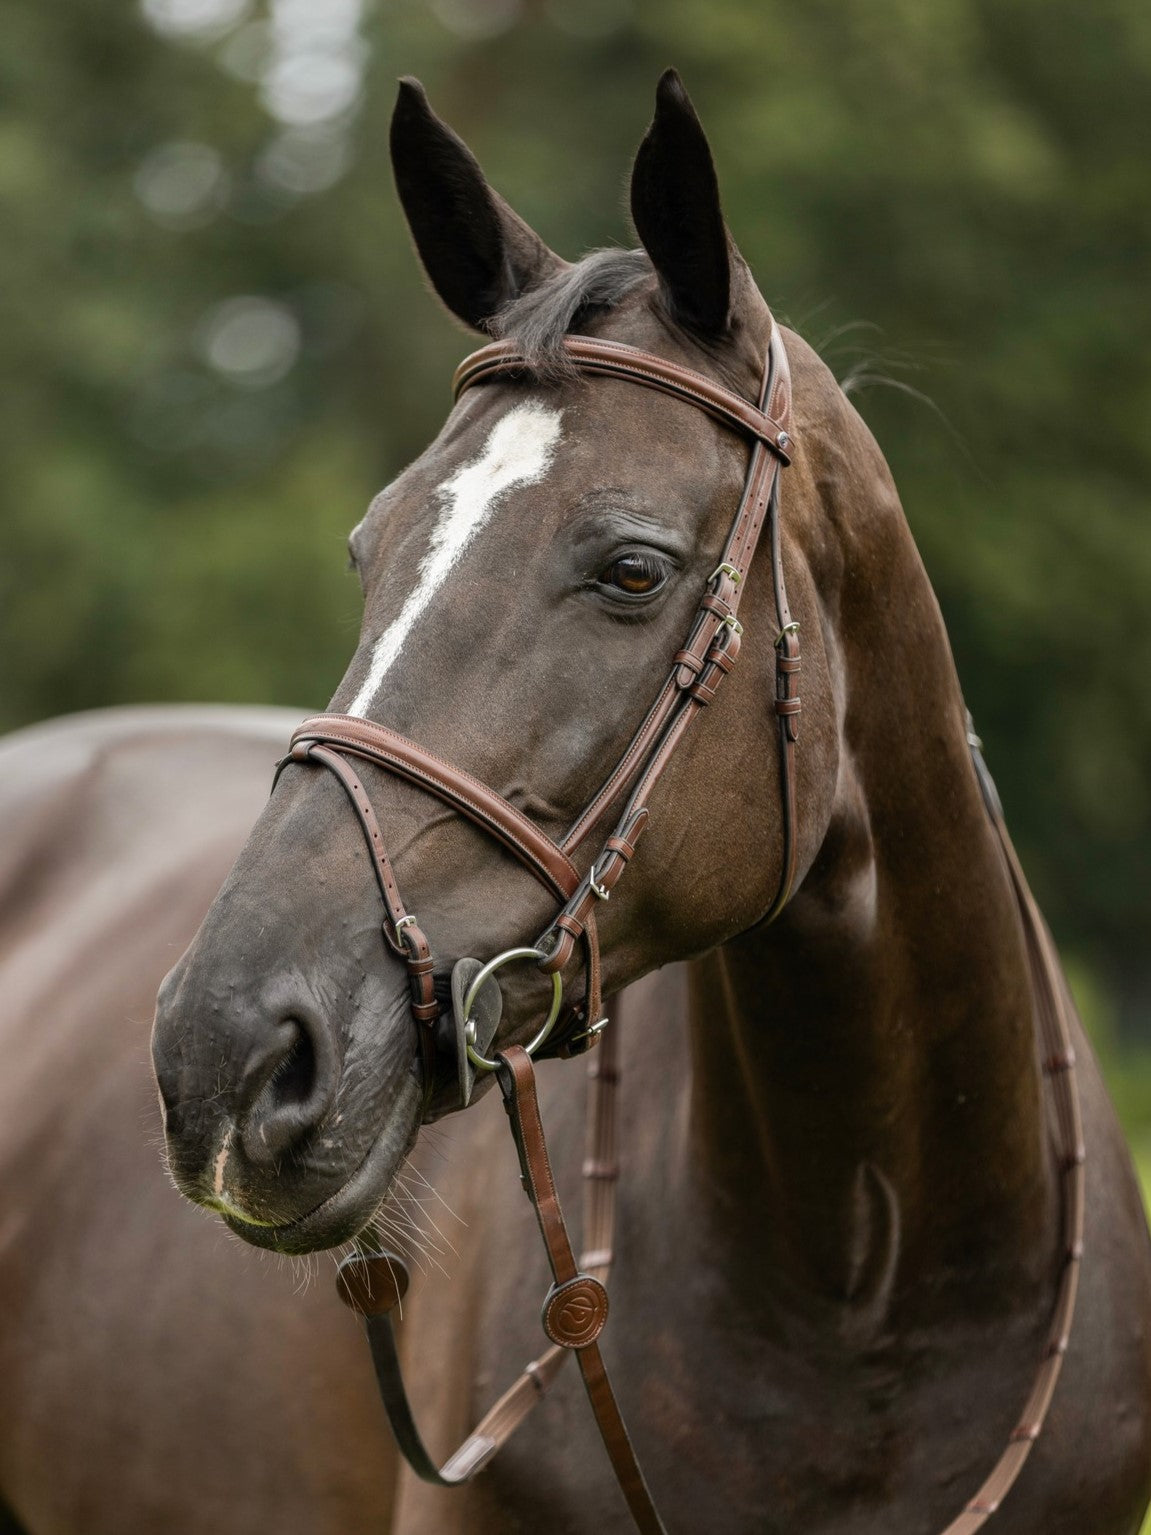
{"x":841,"y":1228}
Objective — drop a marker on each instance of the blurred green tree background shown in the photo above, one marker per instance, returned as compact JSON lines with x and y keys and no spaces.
{"x":216,"y":346}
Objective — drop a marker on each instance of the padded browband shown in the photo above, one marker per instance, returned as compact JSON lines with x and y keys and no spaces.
{"x":616,"y":359}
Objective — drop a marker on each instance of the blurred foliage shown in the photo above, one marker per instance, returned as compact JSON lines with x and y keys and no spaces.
{"x":215,"y":344}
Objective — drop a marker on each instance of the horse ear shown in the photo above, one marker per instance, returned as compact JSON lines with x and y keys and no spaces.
{"x":477,"y":252}
{"x":677,"y":215}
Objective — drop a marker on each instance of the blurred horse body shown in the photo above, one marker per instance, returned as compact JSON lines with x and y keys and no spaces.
{"x":154,"y":1374}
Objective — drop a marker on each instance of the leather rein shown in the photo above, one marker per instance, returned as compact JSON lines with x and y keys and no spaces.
{"x":453,"y":1042}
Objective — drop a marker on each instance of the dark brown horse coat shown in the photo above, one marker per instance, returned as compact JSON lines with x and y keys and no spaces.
{"x":839,"y":1236}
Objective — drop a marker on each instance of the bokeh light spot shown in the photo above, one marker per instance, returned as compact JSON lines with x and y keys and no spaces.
{"x":252,"y":340}
{"x":302,"y":25}
{"x":193,"y":19}
{"x":182,"y":185}
{"x":304,"y":88}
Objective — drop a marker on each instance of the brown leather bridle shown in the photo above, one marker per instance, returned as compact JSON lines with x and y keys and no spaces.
{"x":576,"y":1307}
{"x":697,"y":670}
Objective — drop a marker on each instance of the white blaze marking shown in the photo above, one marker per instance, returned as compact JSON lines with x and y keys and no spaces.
{"x":218,"y":1167}
{"x":519,"y":451}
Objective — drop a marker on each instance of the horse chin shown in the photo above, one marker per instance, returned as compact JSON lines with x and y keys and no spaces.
{"x":343,"y":1214}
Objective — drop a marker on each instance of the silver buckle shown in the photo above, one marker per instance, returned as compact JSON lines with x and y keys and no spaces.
{"x":725,"y":569}
{"x":408,"y":921}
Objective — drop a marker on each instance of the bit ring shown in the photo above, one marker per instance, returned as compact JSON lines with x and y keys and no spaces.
{"x":481,"y":1062}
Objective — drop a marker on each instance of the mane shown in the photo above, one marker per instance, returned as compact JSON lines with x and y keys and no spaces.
{"x":539,"y":319}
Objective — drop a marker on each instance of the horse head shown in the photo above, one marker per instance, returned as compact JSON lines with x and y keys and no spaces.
{"x":527,"y":582}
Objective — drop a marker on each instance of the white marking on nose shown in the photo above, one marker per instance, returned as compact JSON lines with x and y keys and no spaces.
{"x":219,"y":1166}
{"x":519,"y":451}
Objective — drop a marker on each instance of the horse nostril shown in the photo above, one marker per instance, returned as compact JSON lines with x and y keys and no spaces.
{"x":288,"y":1094}
{"x":294,"y":1078}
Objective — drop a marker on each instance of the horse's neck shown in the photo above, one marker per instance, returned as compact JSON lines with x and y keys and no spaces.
{"x":867,"y":1122}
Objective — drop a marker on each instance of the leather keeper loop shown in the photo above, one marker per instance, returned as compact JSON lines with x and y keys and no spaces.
{"x":689,"y":662}
{"x":787,"y":706}
{"x":724,"y":656}
{"x":626,"y":850}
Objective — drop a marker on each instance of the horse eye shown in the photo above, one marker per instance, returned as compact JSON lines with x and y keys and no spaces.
{"x":636,"y":574}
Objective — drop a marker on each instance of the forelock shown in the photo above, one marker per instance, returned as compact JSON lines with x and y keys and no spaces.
{"x":537,"y":322}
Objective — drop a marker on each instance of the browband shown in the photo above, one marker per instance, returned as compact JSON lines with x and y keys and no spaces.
{"x":618,"y":360}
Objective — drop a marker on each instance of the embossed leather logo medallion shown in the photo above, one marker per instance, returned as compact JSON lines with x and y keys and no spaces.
{"x":574,"y":1313}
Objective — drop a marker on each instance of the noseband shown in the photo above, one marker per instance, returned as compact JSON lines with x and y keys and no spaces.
{"x":697,"y":670}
